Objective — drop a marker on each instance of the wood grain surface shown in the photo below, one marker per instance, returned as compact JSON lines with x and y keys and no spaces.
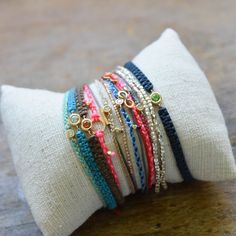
{"x":53,"y":44}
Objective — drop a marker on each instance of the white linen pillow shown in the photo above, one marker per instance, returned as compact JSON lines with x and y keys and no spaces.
{"x":58,"y":192}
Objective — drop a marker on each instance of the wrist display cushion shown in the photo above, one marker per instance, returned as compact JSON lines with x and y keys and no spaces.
{"x":59,"y":194}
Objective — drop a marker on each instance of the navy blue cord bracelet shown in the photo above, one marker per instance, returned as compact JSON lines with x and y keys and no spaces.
{"x":167,"y":123}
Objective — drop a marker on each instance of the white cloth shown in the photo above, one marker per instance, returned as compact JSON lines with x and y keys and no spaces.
{"x":59,"y":193}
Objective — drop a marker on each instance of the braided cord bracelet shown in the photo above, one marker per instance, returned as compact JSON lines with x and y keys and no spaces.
{"x":156,"y":133}
{"x":83,"y":107}
{"x":80,"y":104}
{"x":100,"y":151}
{"x":130,"y":124}
{"x":167,"y":122}
{"x":92,"y":164}
{"x":142,"y":127}
{"x":101,"y":162}
{"x":127,"y":157}
{"x":100,"y":133}
{"x":132,"y":103}
{"x":139,"y":120}
{"x":76,"y":148}
{"x":108,"y":117}
{"x":87,"y":154}
{"x":152,"y":123}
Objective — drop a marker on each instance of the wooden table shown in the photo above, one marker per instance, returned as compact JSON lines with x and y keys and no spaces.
{"x":53,"y":44}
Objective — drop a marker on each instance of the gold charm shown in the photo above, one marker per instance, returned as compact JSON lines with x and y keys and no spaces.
{"x":106,"y":109}
{"x":117,"y":130}
{"x":104,"y":113}
{"x":129,"y":103}
{"x":74,"y":119}
{"x":86,"y":124}
{"x":119,"y":102}
{"x":140,"y":107}
{"x":70,"y":133}
{"x":122,"y":94}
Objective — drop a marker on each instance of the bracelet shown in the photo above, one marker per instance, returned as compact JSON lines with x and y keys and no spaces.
{"x":98,"y":155}
{"x":76,"y":148}
{"x":86,"y":154}
{"x":157,"y":131}
{"x":92,"y":164}
{"x":127,"y":158}
{"x":123,"y":126}
{"x":99,"y":133}
{"x":108,"y":118}
{"x":131,"y":126}
{"x":158,"y":162}
{"x":152,"y":123}
{"x":142,"y":128}
{"x":100,"y":151}
{"x":167,"y":122}
{"x":132,"y":103}
{"x":137,"y":109}
{"x":143,"y":80}
{"x":80,"y":104}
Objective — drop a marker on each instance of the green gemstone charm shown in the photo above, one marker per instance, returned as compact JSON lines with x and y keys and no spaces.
{"x":156,"y":98}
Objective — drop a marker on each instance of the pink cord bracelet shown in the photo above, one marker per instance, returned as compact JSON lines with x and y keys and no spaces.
{"x":95,"y":117}
{"x":142,"y":127}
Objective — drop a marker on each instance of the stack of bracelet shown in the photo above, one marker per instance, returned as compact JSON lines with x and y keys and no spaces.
{"x":124,"y":113}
